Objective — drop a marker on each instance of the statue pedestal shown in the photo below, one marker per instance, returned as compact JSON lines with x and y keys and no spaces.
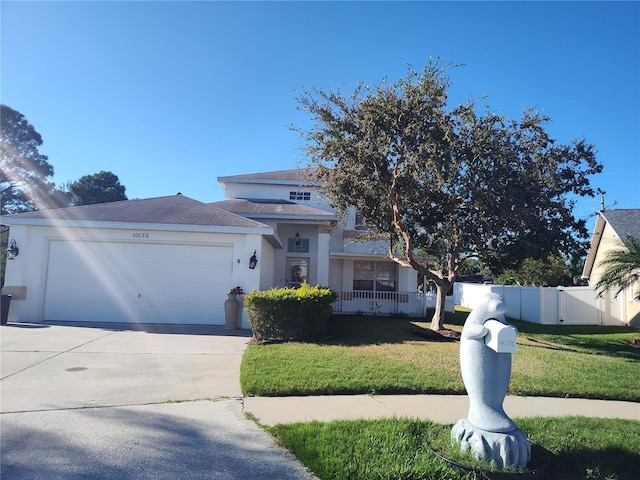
{"x":509,"y":449}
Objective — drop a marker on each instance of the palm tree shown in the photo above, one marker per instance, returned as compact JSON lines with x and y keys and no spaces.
{"x":622,"y":268}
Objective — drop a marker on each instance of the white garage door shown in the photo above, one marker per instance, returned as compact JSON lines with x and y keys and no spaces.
{"x":146,"y":283}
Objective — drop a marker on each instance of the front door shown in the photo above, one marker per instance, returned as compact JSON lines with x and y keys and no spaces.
{"x":297,"y":271}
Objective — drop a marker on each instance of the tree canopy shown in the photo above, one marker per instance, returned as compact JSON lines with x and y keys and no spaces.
{"x":535,"y":272}
{"x":444,"y":184}
{"x":24,"y":171}
{"x":101,"y":187}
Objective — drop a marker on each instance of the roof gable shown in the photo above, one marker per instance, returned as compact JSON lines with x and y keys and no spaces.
{"x":624,"y":222}
{"x":170,"y":210}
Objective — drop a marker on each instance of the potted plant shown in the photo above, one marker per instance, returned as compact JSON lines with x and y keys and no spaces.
{"x":232,"y":308}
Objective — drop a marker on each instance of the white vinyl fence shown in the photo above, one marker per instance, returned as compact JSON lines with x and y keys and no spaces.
{"x":544,"y":305}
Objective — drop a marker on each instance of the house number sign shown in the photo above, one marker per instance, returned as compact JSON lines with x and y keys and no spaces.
{"x":140,"y":235}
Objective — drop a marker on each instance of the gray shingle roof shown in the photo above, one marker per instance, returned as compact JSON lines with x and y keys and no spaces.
{"x":302,"y":176}
{"x":624,"y":222}
{"x":175,"y":209}
{"x":265,"y":208}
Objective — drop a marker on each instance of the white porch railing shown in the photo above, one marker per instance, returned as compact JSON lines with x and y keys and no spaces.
{"x":413,"y":304}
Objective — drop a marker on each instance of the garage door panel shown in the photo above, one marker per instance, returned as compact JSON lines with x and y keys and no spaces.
{"x":151,"y":283}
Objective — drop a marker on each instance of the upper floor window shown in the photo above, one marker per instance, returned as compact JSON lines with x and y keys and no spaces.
{"x":299,"y":195}
{"x":374,"y":276}
{"x":297,"y":244}
{"x":360,"y":222}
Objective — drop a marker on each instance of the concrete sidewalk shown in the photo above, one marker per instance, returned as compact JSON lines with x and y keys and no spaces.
{"x":437,"y":408}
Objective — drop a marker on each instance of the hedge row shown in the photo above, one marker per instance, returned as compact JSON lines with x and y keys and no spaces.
{"x":300,"y":313}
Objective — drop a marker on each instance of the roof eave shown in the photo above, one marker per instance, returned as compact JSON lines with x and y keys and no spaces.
{"x":175,"y":227}
{"x":285,"y":216}
{"x":596,"y":237}
{"x":268,"y":181}
{"x":355,"y":256}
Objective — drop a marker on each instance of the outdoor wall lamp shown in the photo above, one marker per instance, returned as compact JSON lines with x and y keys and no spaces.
{"x":253,"y":261}
{"x":297,"y":240}
{"x":13,"y":250}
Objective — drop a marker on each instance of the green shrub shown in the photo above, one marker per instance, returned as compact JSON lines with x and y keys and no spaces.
{"x":290,"y":313}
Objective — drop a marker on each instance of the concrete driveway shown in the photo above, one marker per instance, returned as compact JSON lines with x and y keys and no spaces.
{"x":107,"y":401}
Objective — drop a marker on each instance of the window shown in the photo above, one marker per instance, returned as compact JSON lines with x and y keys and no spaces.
{"x":374,"y":276}
{"x":297,"y":271}
{"x":363,"y":274}
{"x":360,"y":222}
{"x":299,"y":195}
{"x":298,"y":245}
{"x":385,"y":277}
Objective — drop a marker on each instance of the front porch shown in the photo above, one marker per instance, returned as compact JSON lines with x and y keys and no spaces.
{"x":412,"y":304}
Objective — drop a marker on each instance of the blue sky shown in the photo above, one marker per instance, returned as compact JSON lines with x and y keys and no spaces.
{"x":171,"y":95}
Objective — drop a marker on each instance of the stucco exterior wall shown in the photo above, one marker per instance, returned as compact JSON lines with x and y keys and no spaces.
{"x":276,"y":192}
{"x":323,"y":269}
{"x":620,"y":310}
{"x":29,"y":269}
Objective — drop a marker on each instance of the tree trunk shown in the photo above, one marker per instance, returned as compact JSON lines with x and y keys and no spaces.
{"x":437,"y":322}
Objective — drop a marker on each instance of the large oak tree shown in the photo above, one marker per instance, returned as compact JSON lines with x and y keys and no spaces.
{"x":444,"y":184}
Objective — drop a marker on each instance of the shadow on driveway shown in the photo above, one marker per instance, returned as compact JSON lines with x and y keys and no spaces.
{"x":146,"y":327}
{"x":192,"y":440}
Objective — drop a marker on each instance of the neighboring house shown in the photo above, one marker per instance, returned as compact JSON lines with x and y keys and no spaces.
{"x":173,"y":259}
{"x":612,"y":227}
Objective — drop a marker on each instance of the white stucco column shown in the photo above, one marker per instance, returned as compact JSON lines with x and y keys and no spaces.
{"x":323,"y":258}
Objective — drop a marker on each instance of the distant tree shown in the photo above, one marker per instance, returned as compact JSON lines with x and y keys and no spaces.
{"x":472,"y":270}
{"x":59,"y":198}
{"x":470,"y":266}
{"x":574,"y":274}
{"x":101,"y":187}
{"x":536,"y":273}
{"x":451,"y":183}
{"x":622,"y":268}
{"x":24,"y":171}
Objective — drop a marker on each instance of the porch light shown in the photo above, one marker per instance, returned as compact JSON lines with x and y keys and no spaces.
{"x":13,"y":250}
{"x":253,"y":261}
{"x":297,"y":237}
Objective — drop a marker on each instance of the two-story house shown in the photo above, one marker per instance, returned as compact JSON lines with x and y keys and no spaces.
{"x":173,"y":259}
{"x":317,"y":248}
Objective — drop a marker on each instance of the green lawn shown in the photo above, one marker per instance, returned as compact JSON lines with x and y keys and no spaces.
{"x":384,"y":355}
{"x":398,"y":449}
